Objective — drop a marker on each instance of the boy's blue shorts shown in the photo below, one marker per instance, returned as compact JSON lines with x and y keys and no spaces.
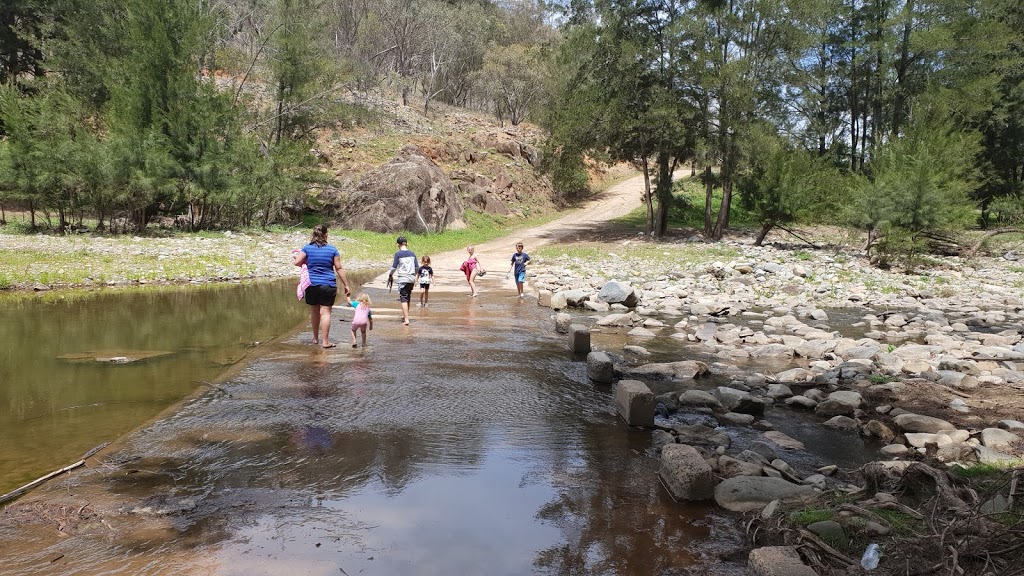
{"x":521,"y":277}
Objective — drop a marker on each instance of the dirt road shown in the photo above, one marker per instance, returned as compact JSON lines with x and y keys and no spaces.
{"x":613,"y":203}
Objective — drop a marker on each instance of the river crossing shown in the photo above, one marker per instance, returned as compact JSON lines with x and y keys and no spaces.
{"x":470,"y":442}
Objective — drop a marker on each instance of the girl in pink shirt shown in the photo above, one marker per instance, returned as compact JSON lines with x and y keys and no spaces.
{"x":362,"y":318}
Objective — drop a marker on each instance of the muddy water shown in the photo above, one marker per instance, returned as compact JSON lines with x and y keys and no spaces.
{"x":80,"y":369}
{"x":468,"y":443}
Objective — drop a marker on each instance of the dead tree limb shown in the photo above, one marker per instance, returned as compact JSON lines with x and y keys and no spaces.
{"x":798,"y":237}
{"x":977,"y":245}
{"x":18,"y":492}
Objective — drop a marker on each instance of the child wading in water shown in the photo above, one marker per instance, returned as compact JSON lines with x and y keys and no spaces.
{"x":472,"y":268}
{"x":426,"y":275}
{"x":363,"y":317}
{"x":519,"y":261}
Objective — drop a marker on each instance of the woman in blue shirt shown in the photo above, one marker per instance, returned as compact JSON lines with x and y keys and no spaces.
{"x":323,"y":261}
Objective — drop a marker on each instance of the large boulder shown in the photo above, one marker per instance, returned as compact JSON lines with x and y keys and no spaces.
{"x":699,"y":398}
{"x":998,"y":439}
{"x":747,"y":493}
{"x":840,"y":403}
{"x":777,"y":561}
{"x":918,"y":423}
{"x":732,"y":467}
{"x":488,"y":203}
{"x":685,"y":473}
{"x":683,"y":370}
{"x":409,"y":192}
{"x":740,"y":400}
{"x":619,"y":293}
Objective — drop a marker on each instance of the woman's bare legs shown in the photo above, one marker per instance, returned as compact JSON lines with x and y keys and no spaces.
{"x":325,"y":325}
{"x":314,"y":321}
{"x":472,"y":282}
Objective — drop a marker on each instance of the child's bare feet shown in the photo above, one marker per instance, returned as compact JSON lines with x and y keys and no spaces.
{"x":330,"y":345}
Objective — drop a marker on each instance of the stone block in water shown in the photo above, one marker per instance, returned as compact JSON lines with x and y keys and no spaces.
{"x":563,"y":322}
{"x":579,"y":339}
{"x":544,"y":298}
{"x":600,"y":367}
{"x":635,"y":403}
{"x":685,"y":473}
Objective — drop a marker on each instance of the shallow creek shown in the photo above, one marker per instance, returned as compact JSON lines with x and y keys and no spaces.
{"x":470,"y":442}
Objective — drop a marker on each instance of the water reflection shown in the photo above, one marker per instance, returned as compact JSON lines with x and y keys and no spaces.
{"x":80,"y":369}
{"x":470,"y":442}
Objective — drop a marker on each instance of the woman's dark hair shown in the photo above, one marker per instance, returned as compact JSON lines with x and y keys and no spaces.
{"x":319,"y":235}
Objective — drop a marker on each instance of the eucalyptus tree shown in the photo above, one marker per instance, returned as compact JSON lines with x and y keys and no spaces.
{"x":617,"y":94}
{"x":731,"y":63}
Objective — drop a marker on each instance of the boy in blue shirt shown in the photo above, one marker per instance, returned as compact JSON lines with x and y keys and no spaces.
{"x":519,"y":261}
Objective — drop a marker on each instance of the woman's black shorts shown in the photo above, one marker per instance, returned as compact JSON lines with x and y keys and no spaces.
{"x":321,"y":295}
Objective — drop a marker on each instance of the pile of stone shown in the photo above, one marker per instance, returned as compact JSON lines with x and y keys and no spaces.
{"x":850,"y":383}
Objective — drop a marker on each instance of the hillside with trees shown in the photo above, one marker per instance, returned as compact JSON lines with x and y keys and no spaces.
{"x":900,"y":118}
{"x":240,"y":113}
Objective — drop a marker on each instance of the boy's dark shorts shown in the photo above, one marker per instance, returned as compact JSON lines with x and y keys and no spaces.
{"x":321,"y":295}
{"x":425,"y":286}
{"x":404,"y":292}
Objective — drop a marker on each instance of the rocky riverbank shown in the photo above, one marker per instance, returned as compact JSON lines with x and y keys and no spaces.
{"x":926,"y":371}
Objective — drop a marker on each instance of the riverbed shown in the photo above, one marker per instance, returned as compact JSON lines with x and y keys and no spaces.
{"x":468,"y":442}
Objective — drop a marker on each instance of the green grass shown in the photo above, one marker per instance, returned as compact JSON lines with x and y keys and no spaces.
{"x":881,"y":378}
{"x":92,"y":260}
{"x":669,"y":255}
{"x":902,"y":524}
{"x":687,"y":210}
{"x":78,"y":267}
{"x":981,"y":471}
{"x":362,"y":245}
{"x":811,"y":515}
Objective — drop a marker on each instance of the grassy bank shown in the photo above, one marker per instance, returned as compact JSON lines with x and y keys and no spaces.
{"x":54,"y":261}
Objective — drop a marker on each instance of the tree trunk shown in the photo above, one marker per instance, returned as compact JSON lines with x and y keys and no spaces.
{"x":664,"y":193}
{"x":709,"y":188}
{"x":765,"y":229}
{"x":648,"y":199}
{"x":723,"y":210}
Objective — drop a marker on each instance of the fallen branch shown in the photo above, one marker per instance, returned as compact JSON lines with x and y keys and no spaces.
{"x":798,"y":237}
{"x":92,"y":452}
{"x":901,"y":508}
{"x":806,"y":535}
{"x":866,"y":513}
{"x":977,"y":245}
{"x":18,"y":492}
